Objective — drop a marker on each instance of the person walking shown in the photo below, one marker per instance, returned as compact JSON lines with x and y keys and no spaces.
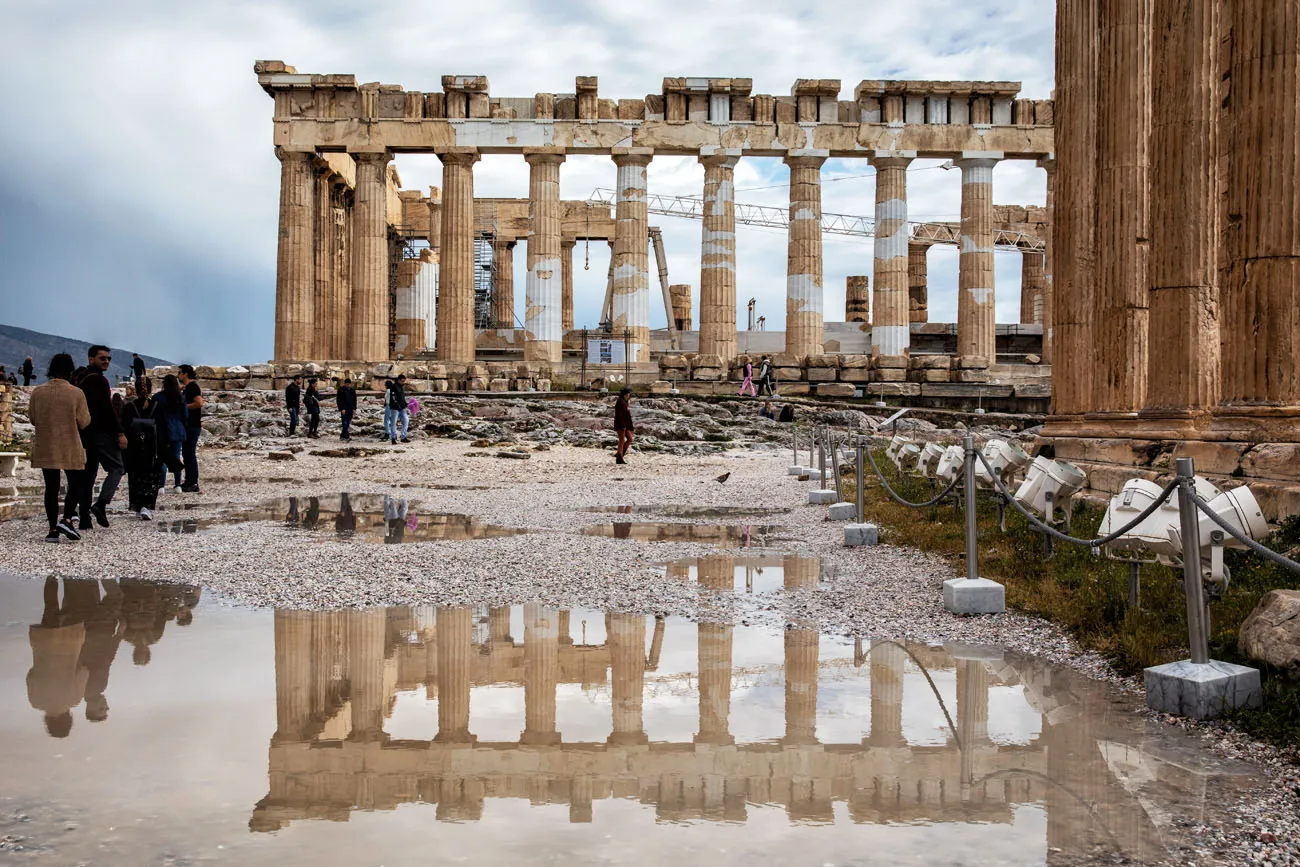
{"x":137,"y":370}
{"x":623,"y":424}
{"x":141,"y":453}
{"x":749,"y":380}
{"x":59,"y":413}
{"x":311,"y":402}
{"x":346,"y":400}
{"x":292,"y":402}
{"x":28,"y":370}
{"x":397,"y":411}
{"x":103,"y":440}
{"x":193,"y":427}
{"x":167,"y":408}
{"x":766,"y":377}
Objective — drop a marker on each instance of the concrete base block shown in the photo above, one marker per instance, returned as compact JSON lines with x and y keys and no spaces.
{"x":822,"y":498}
{"x":798,"y":471}
{"x":861,"y":535}
{"x":1201,"y":691}
{"x":843,"y":511}
{"x":974,"y":596}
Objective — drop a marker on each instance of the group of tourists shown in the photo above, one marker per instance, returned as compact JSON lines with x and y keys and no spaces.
{"x":766,"y":378}
{"x":398,"y":407}
{"x":82,"y":427}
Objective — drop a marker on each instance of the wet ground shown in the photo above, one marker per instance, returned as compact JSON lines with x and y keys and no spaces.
{"x":149,"y":724}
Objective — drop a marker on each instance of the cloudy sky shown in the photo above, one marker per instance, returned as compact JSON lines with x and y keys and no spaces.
{"x":139,"y":190}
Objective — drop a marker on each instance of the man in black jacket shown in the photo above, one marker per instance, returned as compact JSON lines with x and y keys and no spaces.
{"x":292,"y":398}
{"x":346,"y":400}
{"x":103,"y":439}
{"x":397,"y":414}
{"x":29,"y":371}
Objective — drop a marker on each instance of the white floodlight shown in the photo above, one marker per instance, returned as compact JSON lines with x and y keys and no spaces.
{"x":951,"y":464}
{"x":906,"y":456}
{"x":929,"y":459}
{"x":1152,"y":536}
{"x":1048,"y":484}
{"x":1006,"y":459}
{"x":1241,"y":511}
{"x":891,"y":451}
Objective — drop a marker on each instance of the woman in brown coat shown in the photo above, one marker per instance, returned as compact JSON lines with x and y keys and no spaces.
{"x":58,"y":412}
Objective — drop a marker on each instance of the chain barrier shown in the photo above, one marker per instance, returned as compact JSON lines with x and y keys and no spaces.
{"x":943,"y":494}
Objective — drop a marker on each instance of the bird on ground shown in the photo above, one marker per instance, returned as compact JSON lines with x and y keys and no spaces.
{"x":722,"y":478}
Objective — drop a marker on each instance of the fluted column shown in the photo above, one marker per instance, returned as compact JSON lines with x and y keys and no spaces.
{"x":625,"y":637}
{"x":565,"y":631}
{"x":499,"y":625}
{"x":341,"y":269}
{"x":1073,"y":235}
{"x":293,"y":675}
{"x":918,"y":281}
{"x":503,"y":283}
{"x":716,"y":572}
{"x":1049,"y":287}
{"x":718,"y":256}
{"x":631,"y":264}
{"x":322,"y":241}
{"x":426,"y":300}
{"x":1122,"y":309}
{"x":541,"y":674}
{"x":368,"y":322}
{"x":365,"y":636}
{"x":456,"y":273}
{"x":890,"y":330}
{"x":857,"y":298}
{"x":295,"y":264}
{"x":435,"y":218}
{"x":888,"y":662}
{"x":455,"y":654}
{"x":976,"y":315}
{"x":801,"y":655}
{"x":542,"y":329}
{"x":1261,"y":332}
{"x":1031,"y":286}
{"x":566,"y":284}
{"x":803,"y":281}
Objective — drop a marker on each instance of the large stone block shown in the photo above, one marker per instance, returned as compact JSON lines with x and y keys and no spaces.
{"x":1271,"y":634}
{"x":889,"y":362}
{"x":822,"y":361}
{"x":843,"y":512}
{"x":889,"y":374}
{"x":974,"y":596}
{"x":930,"y":362}
{"x":927,"y":376}
{"x":855,"y":374}
{"x":854,"y":362}
{"x":836,"y":389}
{"x":821,"y":374}
{"x":970,"y":362}
{"x":970,"y":376}
{"x":1273,"y":461}
{"x":1201,"y":691}
{"x":793,"y":389}
{"x":1214,"y":458}
{"x":861,"y":535}
{"x":673,"y":362}
{"x":707,"y":374}
{"x":822,"y":497}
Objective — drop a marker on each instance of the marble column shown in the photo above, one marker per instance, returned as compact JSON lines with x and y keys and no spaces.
{"x":801,"y":657}
{"x":918,"y":281}
{"x":435,"y":218}
{"x":888,"y":663}
{"x":857,"y":299}
{"x":426,"y":299}
{"x":455,"y":659}
{"x":503,"y":283}
{"x":543,"y":332}
{"x":499,"y":625}
{"x":541,"y":674}
{"x":564,"y":629}
{"x":631,"y":264}
{"x":1261,"y":293}
{"x":890,"y":330}
{"x":294,"y":675}
{"x":625,"y":637}
{"x":566,"y":284}
{"x":718,"y":256}
{"x":295,"y":264}
{"x":341,"y":269}
{"x":1049,"y":289}
{"x":1073,"y":225}
{"x":976,"y":314}
{"x":368,"y":321}
{"x":323,"y":239}
{"x":714,"y":642}
{"x":1119,"y":356}
{"x":455,"y":341}
{"x":1031,"y":287}
{"x":803,"y":286}
{"x":365,"y":637}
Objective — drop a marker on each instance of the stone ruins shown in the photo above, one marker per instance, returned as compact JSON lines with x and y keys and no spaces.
{"x":342,"y":296}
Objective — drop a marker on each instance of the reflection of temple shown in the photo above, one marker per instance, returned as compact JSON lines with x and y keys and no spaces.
{"x":372,"y":518}
{"x":76,"y":642}
{"x":338,"y":674}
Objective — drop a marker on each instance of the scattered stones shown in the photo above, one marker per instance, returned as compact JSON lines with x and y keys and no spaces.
{"x":281,"y":456}
{"x":349,"y":452}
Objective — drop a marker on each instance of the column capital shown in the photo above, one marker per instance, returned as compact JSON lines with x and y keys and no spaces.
{"x":632,"y":156}
{"x":465,"y":157}
{"x":285,"y":155}
{"x":1048,"y":163}
{"x":381,"y":156}
{"x":713,"y":156}
{"x":979,"y":159}
{"x":806,"y":159}
{"x":891,"y":159}
{"x":569,"y":242}
{"x":544,"y":156}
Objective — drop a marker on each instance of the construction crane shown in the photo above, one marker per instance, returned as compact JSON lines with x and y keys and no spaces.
{"x":692,"y":208}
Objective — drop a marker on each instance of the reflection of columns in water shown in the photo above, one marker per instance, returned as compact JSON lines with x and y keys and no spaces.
{"x":717,"y":572}
{"x":365,"y":633}
{"x":887,"y":665}
{"x":455,"y":647}
{"x":541,"y":673}
{"x":656,"y":643}
{"x":801,"y":571}
{"x":801,"y":685}
{"x":293,"y":674}
{"x":499,"y":625}
{"x":625,"y":637}
{"x":972,"y":715}
{"x":566,"y":636}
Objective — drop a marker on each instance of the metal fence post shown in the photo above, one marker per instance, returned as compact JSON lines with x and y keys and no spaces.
{"x":835,"y":458}
{"x":972,"y":549}
{"x":794,"y":442}
{"x":821,"y":460}
{"x":1189,"y":518}
{"x":861,"y":499}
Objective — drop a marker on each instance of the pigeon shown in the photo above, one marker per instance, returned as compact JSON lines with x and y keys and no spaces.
{"x":722,"y":478}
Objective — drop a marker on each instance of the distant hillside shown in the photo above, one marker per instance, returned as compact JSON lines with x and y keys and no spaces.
{"x":18,"y":343}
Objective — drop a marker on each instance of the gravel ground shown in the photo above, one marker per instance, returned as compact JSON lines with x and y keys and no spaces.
{"x":881,"y":592}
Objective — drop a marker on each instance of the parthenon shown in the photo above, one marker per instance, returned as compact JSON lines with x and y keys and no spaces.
{"x":331,"y":132}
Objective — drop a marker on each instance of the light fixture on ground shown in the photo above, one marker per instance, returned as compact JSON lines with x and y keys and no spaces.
{"x":891,"y":450}
{"x":928,"y":460}
{"x":906,"y":456}
{"x":1049,"y":485}
{"x":950,"y":464}
{"x":1006,"y":458}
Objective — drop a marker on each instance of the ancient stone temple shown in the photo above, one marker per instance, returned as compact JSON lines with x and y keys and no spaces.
{"x":1177,"y":242}
{"x":344,"y":295}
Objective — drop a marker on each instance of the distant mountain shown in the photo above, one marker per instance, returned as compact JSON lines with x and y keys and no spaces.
{"x":18,"y":343}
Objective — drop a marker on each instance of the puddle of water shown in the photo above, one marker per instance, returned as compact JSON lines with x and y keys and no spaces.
{"x":749,"y":574}
{"x":534,"y":735}
{"x":742,"y":535}
{"x":676,"y":511}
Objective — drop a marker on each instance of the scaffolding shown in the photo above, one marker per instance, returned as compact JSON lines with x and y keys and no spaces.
{"x":483,"y":281}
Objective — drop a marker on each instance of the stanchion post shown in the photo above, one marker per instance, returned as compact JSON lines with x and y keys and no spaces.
{"x":821,"y":460}
{"x":861,"y":480}
{"x":972,"y":548}
{"x":1193,"y":588}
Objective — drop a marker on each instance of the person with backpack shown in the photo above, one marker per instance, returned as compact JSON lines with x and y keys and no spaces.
{"x":396,"y":409}
{"x":193,"y":396}
{"x":311,"y":403}
{"x":141,"y":455}
{"x":766,"y":378}
{"x":346,"y":400}
{"x":167,"y":409}
{"x":29,"y":370}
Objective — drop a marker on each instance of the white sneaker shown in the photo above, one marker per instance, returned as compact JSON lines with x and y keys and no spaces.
{"x":176,"y":490}
{"x":146,"y":515}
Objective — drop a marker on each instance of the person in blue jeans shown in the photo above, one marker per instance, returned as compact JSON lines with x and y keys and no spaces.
{"x":169,"y":415}
{"x":346,"y":399}
{"x":395,"y":409}
{"x":193,"y":428}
